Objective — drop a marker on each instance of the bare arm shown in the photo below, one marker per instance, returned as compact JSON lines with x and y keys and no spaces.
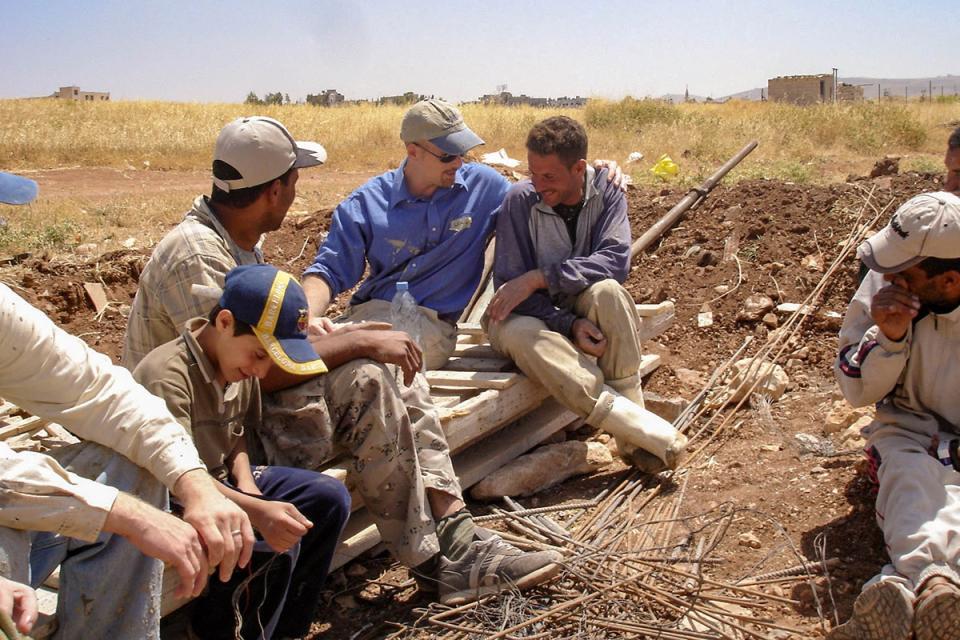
{"x":340,"y":347}
{"x":224,"y":528}
{"x":318,"y":300}
{"x":515,"y":291}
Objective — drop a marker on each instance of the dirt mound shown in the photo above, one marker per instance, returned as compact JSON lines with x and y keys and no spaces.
{"x":753,"y":238}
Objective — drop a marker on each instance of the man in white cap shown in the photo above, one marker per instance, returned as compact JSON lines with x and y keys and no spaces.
{"x":900,"y":349}
{"x":97,"y":508}
{"x":255,"y":170}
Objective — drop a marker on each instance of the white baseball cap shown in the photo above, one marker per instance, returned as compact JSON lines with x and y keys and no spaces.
{"x":261,"y":149}
{"x":925,"y":226}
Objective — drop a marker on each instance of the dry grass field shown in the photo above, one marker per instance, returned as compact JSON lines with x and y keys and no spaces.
{"x":137,"y":140}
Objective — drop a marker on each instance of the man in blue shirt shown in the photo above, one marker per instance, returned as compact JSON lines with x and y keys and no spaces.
{"x":426,"y":223}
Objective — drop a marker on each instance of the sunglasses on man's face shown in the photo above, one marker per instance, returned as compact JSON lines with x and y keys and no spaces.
{"x":446,"y":158}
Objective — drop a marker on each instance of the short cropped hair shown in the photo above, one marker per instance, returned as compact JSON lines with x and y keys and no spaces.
{"x":240,"y":328}
{"x":935,"y":266}
{"x":239,"y":198}
{"x":559,"y":135}
{"x":954,"y":142}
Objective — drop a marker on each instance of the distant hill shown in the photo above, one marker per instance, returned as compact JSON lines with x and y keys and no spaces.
{"x":949,"y":85}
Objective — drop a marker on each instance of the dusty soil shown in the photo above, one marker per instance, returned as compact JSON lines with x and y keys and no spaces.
{"x":795,"y":497}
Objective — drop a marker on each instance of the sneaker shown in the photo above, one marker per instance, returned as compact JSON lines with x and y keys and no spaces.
{"x":883,"y":611}
{"x":937,"y":615}
{"x":491,"y":565}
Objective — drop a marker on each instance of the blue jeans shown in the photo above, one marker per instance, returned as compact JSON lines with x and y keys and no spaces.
{"x":108,"y":589}
{"x":277,"y":594}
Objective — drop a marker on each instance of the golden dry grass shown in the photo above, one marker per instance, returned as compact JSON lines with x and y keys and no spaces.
{"x":822,"y":142}
{"x":803,"y":144}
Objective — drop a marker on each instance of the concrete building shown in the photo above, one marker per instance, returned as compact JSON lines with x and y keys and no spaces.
{"x":508,"y":99}
{"x":810,"y":89}
{"x":329,"y":98}
{"x":74,"y":93}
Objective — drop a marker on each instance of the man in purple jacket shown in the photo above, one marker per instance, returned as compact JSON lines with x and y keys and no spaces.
{"x":563,"y":252}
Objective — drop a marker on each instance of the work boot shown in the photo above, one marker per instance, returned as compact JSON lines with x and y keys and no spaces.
{"x":644,"y":439}
{"x":491,"y":565}
{"x":884,"y":611}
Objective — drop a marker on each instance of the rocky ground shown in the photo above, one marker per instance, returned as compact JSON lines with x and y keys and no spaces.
{"x":783,"y":237}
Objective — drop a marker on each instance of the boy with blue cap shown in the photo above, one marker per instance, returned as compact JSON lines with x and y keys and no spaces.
{"x":209,"y":378}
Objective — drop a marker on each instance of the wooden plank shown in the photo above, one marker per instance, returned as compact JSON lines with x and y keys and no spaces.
{"x":649,"y":363}
{"x":21,"y":426}
{"x":46,"y":622}
{"x":445,"y":401}
{"x":478,"y":417}
{"x":97,"y":295}
{"x":485,"y":457}
{"x":470,"y":329}
{"x":359,"y":536}
{"x":7,"y":408}
{"x":475,"y":380}
{"x":457,"y":363}
{"x":469,"y":350}
{"x":480,"y":304}
{"x":650,"y":310}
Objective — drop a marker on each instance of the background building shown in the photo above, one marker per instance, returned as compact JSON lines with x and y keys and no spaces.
{"x":74,"y":93}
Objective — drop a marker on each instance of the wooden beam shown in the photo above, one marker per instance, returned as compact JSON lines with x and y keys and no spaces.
{"x":476,"y":418}
{"x":457,"y":363}
{"x":473,"y":379}
{"x":471,"y":350}
{"x":469,"y":329}
{"x":650,"y":310}
{"x":21,"y":426}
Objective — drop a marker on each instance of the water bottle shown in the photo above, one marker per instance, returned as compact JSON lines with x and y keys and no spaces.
{"x":404,"y":315}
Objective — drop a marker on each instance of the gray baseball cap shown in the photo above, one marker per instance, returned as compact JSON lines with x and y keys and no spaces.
{"x":925,"y":226}
{"x":442,"y":124}
{"x":261,"y":149}
{"x":16,"y":189}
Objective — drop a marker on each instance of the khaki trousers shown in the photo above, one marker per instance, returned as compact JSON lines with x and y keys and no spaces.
{"x":572,"y":377}
{"x":392,"y":435}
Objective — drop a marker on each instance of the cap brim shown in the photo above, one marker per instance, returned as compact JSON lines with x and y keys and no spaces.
{"x":17,"y":189}
{"x":458,"y":142}
{"x":881,"y":252}
{"x":309,"y":154}
{"x":293,"y":355}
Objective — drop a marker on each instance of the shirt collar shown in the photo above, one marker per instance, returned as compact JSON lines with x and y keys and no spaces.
{"x":401,"y":193}
{"x":207,"y":370}
{"x":202,"y":211}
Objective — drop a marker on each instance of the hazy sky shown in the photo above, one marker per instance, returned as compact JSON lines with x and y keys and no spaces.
{"x":207,"y":51}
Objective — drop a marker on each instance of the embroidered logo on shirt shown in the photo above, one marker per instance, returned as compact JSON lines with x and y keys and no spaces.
{"x":461,"y":223}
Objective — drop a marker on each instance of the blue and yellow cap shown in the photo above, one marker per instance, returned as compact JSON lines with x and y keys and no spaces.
{"x":274,"y":304}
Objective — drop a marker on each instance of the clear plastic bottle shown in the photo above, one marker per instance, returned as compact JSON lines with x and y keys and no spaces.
{"x":404,"y":315}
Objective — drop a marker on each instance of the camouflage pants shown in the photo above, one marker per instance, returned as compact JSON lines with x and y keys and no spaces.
{"x":390,"y":431}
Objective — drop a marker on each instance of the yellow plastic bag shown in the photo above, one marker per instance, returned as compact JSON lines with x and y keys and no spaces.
{"x":665,"y":168}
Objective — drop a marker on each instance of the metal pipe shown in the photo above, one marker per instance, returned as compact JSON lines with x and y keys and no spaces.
{"x":690,"y":201}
